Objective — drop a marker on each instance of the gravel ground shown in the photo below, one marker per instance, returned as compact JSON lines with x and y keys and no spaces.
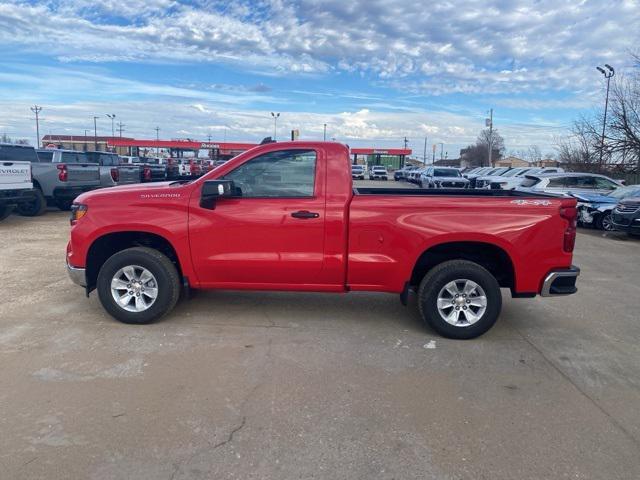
{"x":286,"y":386}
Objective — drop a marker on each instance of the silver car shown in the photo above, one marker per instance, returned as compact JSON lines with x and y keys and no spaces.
{"x":442,"y":177}
{"x":510,"y":179}
{"x":569,"y":183}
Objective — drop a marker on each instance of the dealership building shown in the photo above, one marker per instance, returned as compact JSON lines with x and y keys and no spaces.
{"x":392,"y":158}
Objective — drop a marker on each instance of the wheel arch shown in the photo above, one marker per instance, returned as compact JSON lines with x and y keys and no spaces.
{"x":108,"y":244}
{"x":489,"y":255}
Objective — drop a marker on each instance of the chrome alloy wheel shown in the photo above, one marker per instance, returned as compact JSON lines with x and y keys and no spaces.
{"x":462,"y":302}
{"x":134,"y":288}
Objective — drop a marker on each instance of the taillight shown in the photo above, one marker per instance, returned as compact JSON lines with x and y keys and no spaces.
{"x":146,"y":174}
{"x":570,"y":214}
{"x":115,"y":174}
{"x":63,"y":175}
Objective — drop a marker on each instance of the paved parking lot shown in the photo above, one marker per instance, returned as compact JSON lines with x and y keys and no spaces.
{"x":283,"y":386}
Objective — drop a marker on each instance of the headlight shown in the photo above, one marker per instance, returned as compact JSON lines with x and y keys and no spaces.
{"x":77,"y":212}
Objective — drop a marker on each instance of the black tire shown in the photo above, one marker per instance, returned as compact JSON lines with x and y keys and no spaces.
{"x":64,"y":205}
{"x":446,"y":272}
{"x":603,"y":222}
{"x":167,"y":278}
{"x":5,"y":211}
{"x":34,"y":208}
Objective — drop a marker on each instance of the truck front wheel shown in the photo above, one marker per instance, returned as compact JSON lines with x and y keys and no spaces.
{"x":459,"y":299}
{"x":138,"y":285}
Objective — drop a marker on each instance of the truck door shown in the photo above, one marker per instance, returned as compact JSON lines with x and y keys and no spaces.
{"x":271,"y":232}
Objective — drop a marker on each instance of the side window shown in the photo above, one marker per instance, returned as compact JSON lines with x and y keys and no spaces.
{"x":68,"y":157}
{"x":604,"y":184}
{"x":586,"y":182}
{"x":281,"y":174}
{"x":558,"y":182}
{"x":45,"y":157}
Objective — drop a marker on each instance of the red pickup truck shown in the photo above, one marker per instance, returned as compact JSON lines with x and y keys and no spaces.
{"x":285,"y":216}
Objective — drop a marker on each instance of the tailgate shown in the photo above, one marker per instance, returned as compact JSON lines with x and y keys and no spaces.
{"x":15,"y":175}
{"x":83,"y":173}
{"x":129,"y":173}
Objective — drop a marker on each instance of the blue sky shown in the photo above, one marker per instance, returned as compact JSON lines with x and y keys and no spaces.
{"x":374,"y":70}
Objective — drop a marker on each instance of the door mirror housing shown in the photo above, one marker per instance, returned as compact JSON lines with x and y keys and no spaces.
{"x":214,"y":189}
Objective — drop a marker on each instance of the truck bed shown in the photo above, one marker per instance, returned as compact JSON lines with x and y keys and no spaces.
{"x":458,"y":192}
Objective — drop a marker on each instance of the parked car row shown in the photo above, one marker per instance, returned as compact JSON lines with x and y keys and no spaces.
{"x":376,"y":172}
{"x":31,"y":179}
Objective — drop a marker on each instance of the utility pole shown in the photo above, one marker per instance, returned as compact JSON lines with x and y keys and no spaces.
{"x":275,"y":124}
{"x":441,"y":150}
{"x":324,"y":136}
{"x":608,"y":76}
{"x":85,"y":139}
{"x":95,"y":134}
{"x":433,"y":160}
{"x":490,"y":122}
{"x":121,"y":128}
{"x":424,"y":155}
{"x":157,"y":129}
{"x":36,"y":109}
{"x":406,"y":142}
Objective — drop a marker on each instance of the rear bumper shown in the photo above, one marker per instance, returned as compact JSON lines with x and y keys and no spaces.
{"x":70,"y":193}
{"x":560,"y":282}
{"x":17,"y":197}
{"x":77,"y":275}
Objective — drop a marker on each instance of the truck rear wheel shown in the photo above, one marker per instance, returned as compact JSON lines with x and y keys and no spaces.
{"x":459,"y":299}
{"x":35,"y":207}
{"x":138,"y":285}
{"x":5,"y":211}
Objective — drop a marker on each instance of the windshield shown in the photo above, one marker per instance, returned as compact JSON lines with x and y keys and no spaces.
{"x":624,"y":192}
{"x":514,"y":172}
{"x":446,"y":172}
{"x":356,"y":167}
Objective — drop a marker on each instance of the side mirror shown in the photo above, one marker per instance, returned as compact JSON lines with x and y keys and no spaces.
{"x":214,"y":189}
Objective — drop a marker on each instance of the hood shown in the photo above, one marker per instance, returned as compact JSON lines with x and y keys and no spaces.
{"x":630,"y":200}
{"x":594,"y":198}
{"x":450,"y":179}
{"x":133,"y":188}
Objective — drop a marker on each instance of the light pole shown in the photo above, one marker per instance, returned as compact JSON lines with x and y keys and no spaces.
{"x":157,"y":129}
{"x":36,"y":109}
{"x":441,"y":150}
{"x":85,"y":139}
{"x":112,"y":116}
{"x":324,"y":136}
{"x":424,"y":154}
{"x":275,"y":124}
{"x":489,"y":123}
{"x":95,"y":134}
{"x":607,"y":74}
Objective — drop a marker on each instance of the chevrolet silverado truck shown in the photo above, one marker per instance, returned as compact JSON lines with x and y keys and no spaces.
{"x":57,"y":182}
{"x":113,"y":171}
{"x":16,"y":187}
{"x":285,"y":216}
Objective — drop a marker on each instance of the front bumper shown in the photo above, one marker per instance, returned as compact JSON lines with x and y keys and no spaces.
{"x":77,"y":275}
{"x":560,"y":282}
{"x":629,"y":222}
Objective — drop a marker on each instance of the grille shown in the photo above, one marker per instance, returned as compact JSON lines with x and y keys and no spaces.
{"x":628,"y":207}
{"x":452,"y":184}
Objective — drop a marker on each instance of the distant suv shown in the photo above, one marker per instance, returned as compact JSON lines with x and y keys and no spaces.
{"x":378,"y":172}
{"x":357,"y":172}
{"x":569,"y":183}
{"x":59,"y":176}
{"x":626,"y":216}
{"x":16,"y":187}
{"x":113,"y":171}
{"x":401,"y":173}
{"x":442,"y":177}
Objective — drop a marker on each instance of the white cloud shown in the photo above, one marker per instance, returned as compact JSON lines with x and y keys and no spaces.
{"x":464,"y":46}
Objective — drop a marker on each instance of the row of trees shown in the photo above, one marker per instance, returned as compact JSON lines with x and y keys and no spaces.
{"x":620,"y":152}
{"x":4,"y":138}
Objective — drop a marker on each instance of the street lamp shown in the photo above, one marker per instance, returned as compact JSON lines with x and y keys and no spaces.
{"x":610,"y":72}
{"x":112,"y":116}
{"x":275,"y":124}
{"x":324,"y":137}
{"x":36,"y":109}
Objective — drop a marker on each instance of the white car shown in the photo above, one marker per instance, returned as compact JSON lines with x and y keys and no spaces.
{"x":378,"y":172}
{"x":511,"y":179}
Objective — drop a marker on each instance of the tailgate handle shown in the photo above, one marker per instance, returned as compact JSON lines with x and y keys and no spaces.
{"x":304,"y":214}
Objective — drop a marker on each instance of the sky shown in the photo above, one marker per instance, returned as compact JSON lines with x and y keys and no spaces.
{"x":374,"y":71}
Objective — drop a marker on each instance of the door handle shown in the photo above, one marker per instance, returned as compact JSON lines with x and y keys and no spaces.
{"x":304,"y":214}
